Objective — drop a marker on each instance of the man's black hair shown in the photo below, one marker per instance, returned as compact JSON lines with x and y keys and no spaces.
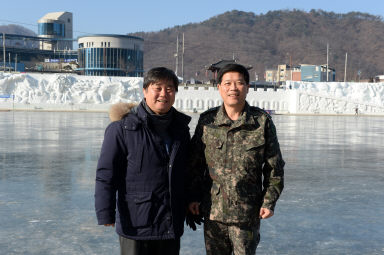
{"x":233,"y":68}
{"x":160,"y":74}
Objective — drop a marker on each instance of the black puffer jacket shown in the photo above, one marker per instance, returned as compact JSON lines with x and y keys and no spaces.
{"x":149,"y":184}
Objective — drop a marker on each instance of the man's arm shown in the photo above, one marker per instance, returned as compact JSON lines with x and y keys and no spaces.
{"x":273,"y":171}
{"x":111,"y":159}
{"x":196,"y":169}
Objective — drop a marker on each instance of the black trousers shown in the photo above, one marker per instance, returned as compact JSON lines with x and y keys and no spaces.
{"x":149,"y":247}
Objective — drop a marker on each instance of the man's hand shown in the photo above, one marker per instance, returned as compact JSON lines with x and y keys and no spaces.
{"x":194,"y":208}
{"x":193,"y":216}
{"x":110,"y":225}
{"x":265,"y":213}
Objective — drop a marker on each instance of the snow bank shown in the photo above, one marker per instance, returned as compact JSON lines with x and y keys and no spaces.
{"x":64,"y":89}
{"x":339,"y":97}
{"x":361,"y":93}
{"x":75,"y":92}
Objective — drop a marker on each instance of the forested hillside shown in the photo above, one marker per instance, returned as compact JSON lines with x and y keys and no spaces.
{"x":16,"y":29}
{"x":266,"y":40}
{"x":277,"y":37}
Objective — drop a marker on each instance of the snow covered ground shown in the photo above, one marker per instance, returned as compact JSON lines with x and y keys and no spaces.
{"x":74,"y":92}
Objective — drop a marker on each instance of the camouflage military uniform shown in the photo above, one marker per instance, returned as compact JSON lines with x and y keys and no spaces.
{"x":236,"y":167}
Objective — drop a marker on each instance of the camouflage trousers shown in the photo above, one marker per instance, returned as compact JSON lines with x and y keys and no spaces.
{"x":223,"y":239}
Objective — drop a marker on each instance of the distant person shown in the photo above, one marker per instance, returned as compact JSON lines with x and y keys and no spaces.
{"x":236,"y":169}
{"x":141,"y":170}
{"x":356,"y":110}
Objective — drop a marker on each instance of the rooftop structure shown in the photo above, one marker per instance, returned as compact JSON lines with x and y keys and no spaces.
{"x":215,"y":67}
{"x":57,"y":26}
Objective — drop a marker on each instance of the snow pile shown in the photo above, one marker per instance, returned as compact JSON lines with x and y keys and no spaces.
{"x":338,"y":97}
{"x":74,"y":92}
{"x":69,"y":89}
{"x":359,"y":93}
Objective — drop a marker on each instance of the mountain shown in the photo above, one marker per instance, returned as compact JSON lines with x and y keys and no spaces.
{"x":277,"y":37}
{"x":16,"y":30}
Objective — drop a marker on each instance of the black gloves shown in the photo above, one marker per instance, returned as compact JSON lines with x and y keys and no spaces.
{"x":191,"y":219}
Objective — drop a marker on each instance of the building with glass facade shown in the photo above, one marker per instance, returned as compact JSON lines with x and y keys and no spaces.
{"x":56,"y":26}
{"x":110,"y":55}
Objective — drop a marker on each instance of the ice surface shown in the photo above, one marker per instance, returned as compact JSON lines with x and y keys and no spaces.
{"x":333,"y":201}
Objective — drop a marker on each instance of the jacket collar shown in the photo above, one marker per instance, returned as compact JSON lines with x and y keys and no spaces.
{"x":245,"y":118}
{"x":178,"y":117}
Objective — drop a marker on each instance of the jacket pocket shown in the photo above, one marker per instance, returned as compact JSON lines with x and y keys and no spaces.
{"x":140,"y":208}
{"x":253,"y":155}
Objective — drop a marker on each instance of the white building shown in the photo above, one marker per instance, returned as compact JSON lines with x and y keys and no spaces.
{"x":111,"y":55}
{"x":58,"y":27}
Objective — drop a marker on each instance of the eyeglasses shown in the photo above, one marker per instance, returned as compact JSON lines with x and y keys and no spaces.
{"x":228,"y":84}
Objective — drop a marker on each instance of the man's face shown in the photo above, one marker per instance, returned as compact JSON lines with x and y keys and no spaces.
{"x":160,"y":96}
{"x":233,"y":89}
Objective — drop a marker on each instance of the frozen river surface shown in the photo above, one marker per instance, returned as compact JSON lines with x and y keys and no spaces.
{"x":333,"y":202}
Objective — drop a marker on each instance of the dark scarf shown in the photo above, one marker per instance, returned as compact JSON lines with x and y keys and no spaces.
{"x":161,"y":123}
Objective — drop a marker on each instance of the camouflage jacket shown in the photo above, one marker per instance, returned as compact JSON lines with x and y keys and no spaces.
{"x":235,"y":167}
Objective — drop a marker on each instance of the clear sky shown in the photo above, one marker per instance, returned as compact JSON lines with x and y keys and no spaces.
{"x":125,"y":16}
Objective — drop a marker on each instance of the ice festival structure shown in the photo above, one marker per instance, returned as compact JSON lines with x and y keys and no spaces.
{"x":62,"y":92}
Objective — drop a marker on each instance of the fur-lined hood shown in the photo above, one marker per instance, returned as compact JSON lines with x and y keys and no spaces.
{"x":119,"y":110}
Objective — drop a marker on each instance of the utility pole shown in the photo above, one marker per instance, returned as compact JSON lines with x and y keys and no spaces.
{"x":9,"y":61}
{"x":182,"y":61}
{"x":290,"y":64}
{"x":327,"y":62}
{"x":177,"y":54}
{"x":4,"y":51}
{"x":345,"y":69}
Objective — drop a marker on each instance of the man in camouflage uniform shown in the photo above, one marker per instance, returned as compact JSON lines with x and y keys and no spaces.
{"x":236,"y":168}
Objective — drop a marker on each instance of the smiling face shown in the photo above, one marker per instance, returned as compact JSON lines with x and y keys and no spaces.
{"x":160,"y":96}
{"x":233,"y":90}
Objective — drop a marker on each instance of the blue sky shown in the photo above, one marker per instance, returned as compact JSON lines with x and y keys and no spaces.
{"x":124,"y":16}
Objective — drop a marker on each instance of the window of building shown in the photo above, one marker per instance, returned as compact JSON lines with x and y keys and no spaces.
{"x":55,"y":29}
